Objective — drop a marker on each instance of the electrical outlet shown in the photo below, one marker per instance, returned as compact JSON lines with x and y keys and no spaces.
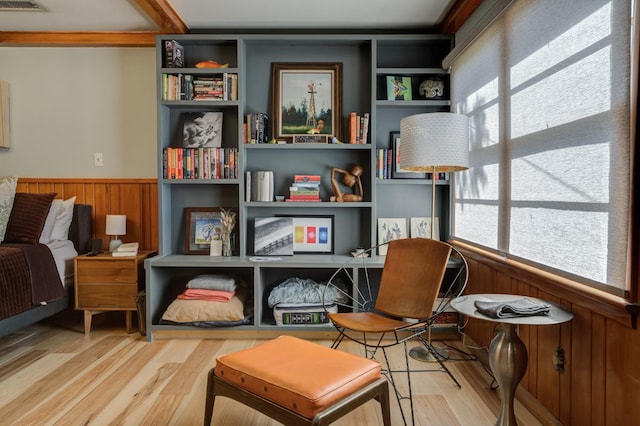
{"x":97,"y":159}
{"x":558,"y":359}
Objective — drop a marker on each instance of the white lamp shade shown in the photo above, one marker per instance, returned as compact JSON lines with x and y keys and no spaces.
{"x":437,"y":139}
{"x":116,"y":224}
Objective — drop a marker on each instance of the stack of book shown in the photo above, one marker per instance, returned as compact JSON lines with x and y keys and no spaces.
{"x":222,"y":87}
{"x":305,"y":188}
{"x":126,"y":250}
{"x":358,"y":128}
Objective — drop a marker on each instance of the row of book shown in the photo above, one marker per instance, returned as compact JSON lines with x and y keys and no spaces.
{"x":200,"y":163}
{"x":256,"y":128}
{"x":186,"y":87}
{"x":384,"y":166}
{"x":305,"y":188}
{"x":358,"y":128}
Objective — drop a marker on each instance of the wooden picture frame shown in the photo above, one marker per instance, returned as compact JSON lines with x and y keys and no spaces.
{"x":202,"y":225}
{"x":396,"y":173}
{"x":313,"y":234}
{"x":311,"y":84}
{"x":390,"y":228}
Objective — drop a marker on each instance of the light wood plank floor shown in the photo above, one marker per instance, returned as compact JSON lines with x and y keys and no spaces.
{"x":51,"y":374}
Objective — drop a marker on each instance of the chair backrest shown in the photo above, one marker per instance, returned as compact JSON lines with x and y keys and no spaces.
{"x":411,"y":277}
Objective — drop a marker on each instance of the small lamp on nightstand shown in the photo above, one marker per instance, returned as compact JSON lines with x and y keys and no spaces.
{"x":116,"y":225}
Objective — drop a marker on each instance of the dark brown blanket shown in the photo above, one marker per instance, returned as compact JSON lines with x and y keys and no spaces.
{"x":28,"y":277}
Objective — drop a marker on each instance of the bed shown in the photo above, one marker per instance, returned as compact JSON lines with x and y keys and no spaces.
{"x":42,"y":237}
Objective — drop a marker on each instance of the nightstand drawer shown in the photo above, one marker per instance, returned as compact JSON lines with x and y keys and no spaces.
{"x":113,"y":271}
{"x":107,"y":296}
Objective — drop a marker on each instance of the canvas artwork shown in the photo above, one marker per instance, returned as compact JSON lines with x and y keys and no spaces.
{"x":421,"y":228}
{"x":273,"y":236}
{"x":389,"y":229}
{"x":202,"y":129}
{"x":398,"y":88}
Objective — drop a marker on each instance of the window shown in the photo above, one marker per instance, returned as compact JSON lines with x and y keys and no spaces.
{"x":547,"y":89}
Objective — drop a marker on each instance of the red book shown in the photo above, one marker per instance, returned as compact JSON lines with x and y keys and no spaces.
{"x":306,"y":178}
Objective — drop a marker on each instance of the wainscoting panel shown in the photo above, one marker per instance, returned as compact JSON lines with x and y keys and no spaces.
{"x":599,"y":384}
{"x":136,"y":198}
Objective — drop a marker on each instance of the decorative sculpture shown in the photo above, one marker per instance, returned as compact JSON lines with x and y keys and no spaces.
{"x":351,"y":178}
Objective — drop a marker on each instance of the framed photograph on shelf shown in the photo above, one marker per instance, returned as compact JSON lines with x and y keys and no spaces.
{"x":390,"y":228}
{"x":202,"y":130}
{"x":313,"y":234}
{"x":396,"y":173}
{"x":317,"y":86}
{"x":204,"y":224}
{"x":398,"y":88}
{"x":421,"y":228}
{"x":273,"y":236}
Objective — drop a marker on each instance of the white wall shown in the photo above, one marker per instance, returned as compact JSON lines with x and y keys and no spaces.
{"x":67,"y":103}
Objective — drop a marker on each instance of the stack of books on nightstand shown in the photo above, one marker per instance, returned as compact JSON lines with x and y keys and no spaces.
{"x":305,"y":188}
{"x":126,"y":250}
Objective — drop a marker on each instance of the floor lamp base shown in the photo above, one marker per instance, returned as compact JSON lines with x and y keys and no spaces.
{"x":421,"y":353}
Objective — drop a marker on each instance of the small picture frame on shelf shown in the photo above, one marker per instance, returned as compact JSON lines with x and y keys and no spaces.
{"x":390,"y":228}
{"x":398,"y":88}
{"x":202,"y":130}
{"x":320,"y":86}
{"x":396,"y":173}
{"x":421,"y":228}
{"x":313,"y":234}
{"x":273,"y":236}
{"x":203,"y":225}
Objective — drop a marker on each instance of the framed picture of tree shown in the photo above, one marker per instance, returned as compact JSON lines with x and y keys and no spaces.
{"x":307,"y":99}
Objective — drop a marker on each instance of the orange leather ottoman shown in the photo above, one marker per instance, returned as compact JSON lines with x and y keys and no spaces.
{"x":297,"y":382}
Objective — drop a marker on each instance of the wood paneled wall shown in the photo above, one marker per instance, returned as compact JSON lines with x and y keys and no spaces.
{"x":600,"y":384}
{"x":136,"y":198}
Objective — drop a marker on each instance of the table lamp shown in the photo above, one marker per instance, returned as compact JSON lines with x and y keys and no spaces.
{"x":116,"y":225}
{"x":436,"y":142}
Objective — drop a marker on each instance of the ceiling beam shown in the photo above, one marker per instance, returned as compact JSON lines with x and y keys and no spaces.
{"x":163,"y":14}
{"x":42,"y":38}
{"x":457,"y":15}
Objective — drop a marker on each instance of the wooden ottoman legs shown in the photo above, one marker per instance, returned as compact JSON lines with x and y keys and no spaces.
{"x":377,"y":390}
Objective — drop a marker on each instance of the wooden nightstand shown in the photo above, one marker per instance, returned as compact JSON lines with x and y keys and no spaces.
{"x":106,"y":283}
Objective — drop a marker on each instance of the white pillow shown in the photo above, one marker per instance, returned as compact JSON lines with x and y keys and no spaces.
{"x":60,"y":231}
{"x":50,"y":222}
{"x":7,"y":193}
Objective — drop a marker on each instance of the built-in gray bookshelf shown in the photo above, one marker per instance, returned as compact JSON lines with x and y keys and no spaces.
{"x":367,"y":60}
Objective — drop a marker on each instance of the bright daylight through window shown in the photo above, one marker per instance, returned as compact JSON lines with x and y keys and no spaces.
{"x":547,"y":88}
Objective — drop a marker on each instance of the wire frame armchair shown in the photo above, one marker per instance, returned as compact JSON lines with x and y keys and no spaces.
{"x":399,"y":304}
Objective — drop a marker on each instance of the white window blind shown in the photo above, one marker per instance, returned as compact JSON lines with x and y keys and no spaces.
{"x":547,"y":89}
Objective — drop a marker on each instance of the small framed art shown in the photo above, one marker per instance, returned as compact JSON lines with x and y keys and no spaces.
{"x":202,"y":130}
{"x":398,"y":88}
{"x":203,"y":225}
{"x":390,"y":228}
{"x":313,"y":234}
{"x":396,"y":173}
{"x":273,"y":236}
{"x":421,"y":228}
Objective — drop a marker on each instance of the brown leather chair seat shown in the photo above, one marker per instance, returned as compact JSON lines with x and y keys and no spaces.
{"x":301,"y":377}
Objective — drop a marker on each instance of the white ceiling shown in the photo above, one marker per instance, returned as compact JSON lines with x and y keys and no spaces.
{"x":126,"y":15}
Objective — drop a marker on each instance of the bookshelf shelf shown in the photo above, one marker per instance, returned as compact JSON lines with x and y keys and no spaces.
{"x":367,"y":59}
